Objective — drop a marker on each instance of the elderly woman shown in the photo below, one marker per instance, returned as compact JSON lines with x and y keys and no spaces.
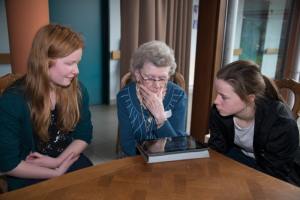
{"x":151,"y":106}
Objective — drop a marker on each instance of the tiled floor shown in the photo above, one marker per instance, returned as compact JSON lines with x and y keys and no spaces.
{"x":105,"y":123}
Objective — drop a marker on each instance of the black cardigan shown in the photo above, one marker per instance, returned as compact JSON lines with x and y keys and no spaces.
{"x":275,"y":142}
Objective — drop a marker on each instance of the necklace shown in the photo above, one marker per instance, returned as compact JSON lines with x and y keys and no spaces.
{"x":149,"y":119}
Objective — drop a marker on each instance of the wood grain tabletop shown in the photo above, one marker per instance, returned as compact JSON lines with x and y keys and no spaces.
{"x":217,"y":177}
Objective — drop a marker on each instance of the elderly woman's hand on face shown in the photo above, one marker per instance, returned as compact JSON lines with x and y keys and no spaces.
{"x":153,"y":103}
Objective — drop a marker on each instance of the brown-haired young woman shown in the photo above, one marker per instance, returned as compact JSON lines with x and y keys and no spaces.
{"x":45,"y":122}
{"x":251,"y":124}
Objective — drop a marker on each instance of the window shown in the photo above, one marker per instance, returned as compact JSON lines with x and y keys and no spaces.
{"x":259,"y":31}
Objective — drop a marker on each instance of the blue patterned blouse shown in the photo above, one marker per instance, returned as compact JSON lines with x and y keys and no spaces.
{"x":131,"y":122}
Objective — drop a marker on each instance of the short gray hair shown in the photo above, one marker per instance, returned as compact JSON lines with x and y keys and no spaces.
{"x":155,"y":52}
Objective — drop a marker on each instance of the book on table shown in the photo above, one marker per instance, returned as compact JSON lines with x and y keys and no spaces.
{"x":171,"y":149}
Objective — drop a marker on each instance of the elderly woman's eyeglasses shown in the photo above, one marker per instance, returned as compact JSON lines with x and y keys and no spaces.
{"x":152,"y":80}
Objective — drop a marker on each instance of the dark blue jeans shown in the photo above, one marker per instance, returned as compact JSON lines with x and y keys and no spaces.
{"x":81,"y":163}
{"x":236,"y":154}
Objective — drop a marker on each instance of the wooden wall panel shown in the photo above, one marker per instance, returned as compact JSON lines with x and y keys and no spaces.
{"x":208,"y":62}
{"x":292,"y":46}
{"x":116,"y":55}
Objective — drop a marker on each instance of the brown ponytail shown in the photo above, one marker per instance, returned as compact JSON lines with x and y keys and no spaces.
{"x":271,"y":91}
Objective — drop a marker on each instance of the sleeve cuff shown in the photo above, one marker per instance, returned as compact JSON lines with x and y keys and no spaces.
{"x":166,"y":130}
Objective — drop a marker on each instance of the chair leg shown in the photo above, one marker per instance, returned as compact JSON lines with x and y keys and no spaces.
{"x":118,"y":141}
{"x":3,"y":184}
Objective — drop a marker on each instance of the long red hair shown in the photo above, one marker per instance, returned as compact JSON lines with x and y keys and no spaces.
{"x":51,"y":42}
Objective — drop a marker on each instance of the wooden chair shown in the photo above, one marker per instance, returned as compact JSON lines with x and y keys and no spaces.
{"x":7,"y":80}
{"x":4,"y":82}
{"x":177,"y":78}
{"x":295,"y":88}
{"x":3,"y":184}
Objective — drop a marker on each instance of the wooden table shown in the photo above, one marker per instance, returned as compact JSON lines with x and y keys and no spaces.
{"x":217,"y":177}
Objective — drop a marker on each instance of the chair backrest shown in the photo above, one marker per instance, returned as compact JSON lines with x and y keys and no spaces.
{"x":177,"y":78}
{"x":7,"y":80}
{"x":4,"y":82}
{"x":295,"y":88}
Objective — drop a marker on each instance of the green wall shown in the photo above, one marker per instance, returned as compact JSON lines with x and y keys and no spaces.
{"x":86,"y":18}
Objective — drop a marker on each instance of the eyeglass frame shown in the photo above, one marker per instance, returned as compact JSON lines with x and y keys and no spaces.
{"x":152,"y":81}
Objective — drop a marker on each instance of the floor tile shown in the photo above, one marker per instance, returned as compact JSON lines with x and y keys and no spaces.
{"x":109,"y":157}
{"x":108,"y":118}
{"x":102,"y":150}
{"x":104,"y":128}
{"x":98,"y":140}
{"x":94,"y":158}
{"x":96,"y":121}
{"x":114,"y":124}
{"x":111,"y":136}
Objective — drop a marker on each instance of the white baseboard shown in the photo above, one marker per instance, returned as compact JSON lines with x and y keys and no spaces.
{"x":113,"y":102}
